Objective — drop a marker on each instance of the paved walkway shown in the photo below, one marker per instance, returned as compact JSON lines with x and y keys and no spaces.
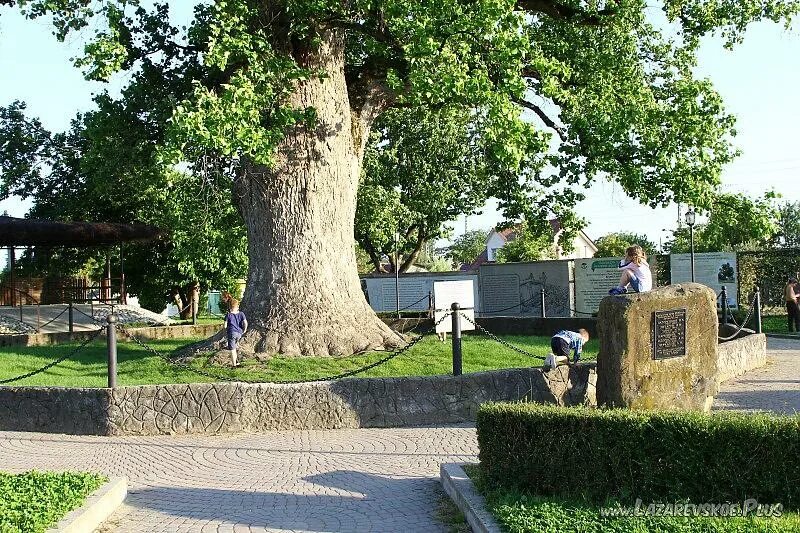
{"x":773,"y":387}
{"x":344,"y":480}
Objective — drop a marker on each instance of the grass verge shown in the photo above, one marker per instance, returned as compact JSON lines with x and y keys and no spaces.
{"x":33,"y":501}
{"x":137,"y":366}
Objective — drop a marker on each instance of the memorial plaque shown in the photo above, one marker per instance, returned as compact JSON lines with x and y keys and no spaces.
{"x":669,"y":333}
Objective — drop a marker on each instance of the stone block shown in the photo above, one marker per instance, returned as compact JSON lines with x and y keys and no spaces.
{"x":628,"y":374}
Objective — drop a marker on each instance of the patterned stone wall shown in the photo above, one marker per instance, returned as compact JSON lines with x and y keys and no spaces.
{"x":54,"y":410}
{"x":349,"y":403}
{"x":234,"y":407}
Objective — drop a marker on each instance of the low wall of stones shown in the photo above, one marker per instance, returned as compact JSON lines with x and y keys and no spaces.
{"x":235,"y":407}
{"x":55,"y":410}
{"x":146,"y":333}
{"x":43,"y":339}
{"x":741,"y":355}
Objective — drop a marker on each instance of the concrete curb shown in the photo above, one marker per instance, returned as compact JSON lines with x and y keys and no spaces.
{"x":95,"y":510}
{"x":462,"y":491}
{"x":793,"y":336}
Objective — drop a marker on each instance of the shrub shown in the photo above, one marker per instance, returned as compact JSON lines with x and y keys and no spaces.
{"x":33,"y":501}
{"x":597,"y":454}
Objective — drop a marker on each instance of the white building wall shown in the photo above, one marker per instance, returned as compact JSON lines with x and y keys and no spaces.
{"x":494,"y":243}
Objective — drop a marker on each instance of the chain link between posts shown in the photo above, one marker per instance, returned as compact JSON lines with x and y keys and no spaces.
{"x":94,"y":334}
{"x":744,"y":322}
{"x":500,"y":340}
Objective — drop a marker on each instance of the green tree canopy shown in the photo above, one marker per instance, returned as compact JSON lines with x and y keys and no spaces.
{"x":286,"y":92}
{"x":735,"y":223}
{"x":788,"y":222}
{"x":529,"y":245}
{"x":467,"y":246}
{"x":615,"y":244}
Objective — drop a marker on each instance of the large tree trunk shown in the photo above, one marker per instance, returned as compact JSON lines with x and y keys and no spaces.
{"x":303,"y":294}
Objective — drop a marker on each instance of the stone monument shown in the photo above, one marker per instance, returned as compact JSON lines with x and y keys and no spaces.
{"x":658,"y":349}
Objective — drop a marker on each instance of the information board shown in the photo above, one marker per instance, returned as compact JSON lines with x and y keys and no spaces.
{"x":713,"y":269}
{"x":515,"y":289}
{"x":445,"y":293}
{"x":414,"y":290}
{"x":593,"y":279}
{"x":669,"y":333}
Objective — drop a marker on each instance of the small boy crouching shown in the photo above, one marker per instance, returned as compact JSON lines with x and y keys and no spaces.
{"x":565,"y":342}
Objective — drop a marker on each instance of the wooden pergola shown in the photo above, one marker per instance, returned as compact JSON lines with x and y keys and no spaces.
{"x":28,"y":233}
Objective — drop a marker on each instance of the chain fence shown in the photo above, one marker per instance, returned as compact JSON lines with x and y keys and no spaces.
{"x":500,"y":339}
{"x":740,"y":327}
{"x":93,"y":335}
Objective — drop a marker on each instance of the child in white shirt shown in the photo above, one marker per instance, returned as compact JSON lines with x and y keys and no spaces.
{"x":635,"y":272}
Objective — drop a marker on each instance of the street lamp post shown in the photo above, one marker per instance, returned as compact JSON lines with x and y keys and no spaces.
{"x":397,"y":272}
{"x":690,"y":220}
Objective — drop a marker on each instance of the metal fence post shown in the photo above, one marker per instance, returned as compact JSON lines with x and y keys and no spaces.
{"x":71,"y":318}
{"x":757,"y":312}
{"x":724,"y":306}
{"x":111,"y":339}
{"x":456,"y":317}
{"x":544,"y":311}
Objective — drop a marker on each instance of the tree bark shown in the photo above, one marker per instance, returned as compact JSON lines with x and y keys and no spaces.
{"x":303,"y":294}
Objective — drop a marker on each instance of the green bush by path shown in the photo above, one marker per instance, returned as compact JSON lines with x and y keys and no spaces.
{"x":597,"y":454}
{"x":33,"y":501}
{"x":521,"y":512}
{"x":137,"y":366}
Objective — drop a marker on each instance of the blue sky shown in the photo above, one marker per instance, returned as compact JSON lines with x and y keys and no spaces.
{"x":758,"y":80}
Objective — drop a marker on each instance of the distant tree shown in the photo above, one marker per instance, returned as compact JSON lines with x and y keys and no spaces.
{"x":467,"y":246}
{"x":614,"y":244}
{"x":530,"y":244}
{"x":735,"y":223}
{"x":433,"y":260}
{"x":424,"y":167}
{"x":788,"y":223}
{"x":363,"y":261}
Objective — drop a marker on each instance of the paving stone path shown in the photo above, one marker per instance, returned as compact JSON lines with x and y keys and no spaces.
{"x":344,"y":480}
{"x":773,"y":387}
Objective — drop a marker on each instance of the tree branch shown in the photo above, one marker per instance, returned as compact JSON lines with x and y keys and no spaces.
{"x":549,"y":122}
{"x":560,"y":11}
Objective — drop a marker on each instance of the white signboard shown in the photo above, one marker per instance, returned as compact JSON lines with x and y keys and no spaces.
{"x":713,"y":269}
{"x":593,"y":279}
{"x":445,"y":294}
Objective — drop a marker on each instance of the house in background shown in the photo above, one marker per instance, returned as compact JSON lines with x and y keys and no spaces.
{"x":583,"y":246}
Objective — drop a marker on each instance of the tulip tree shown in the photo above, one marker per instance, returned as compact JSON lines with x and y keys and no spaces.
{"x":288,"y":90}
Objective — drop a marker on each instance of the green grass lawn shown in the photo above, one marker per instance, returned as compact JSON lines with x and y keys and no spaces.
{"x":33,"y":501}
{"x":137,"y":366}
{"x":520,"y":512}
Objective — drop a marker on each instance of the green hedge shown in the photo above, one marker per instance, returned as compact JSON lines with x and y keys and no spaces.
{"x":598,"y":454}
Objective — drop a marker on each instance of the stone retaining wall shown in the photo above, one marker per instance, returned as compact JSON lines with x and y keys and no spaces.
{"x":233,"y":407}
{"x":736,"y":357}
{"x":146,"y":333}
